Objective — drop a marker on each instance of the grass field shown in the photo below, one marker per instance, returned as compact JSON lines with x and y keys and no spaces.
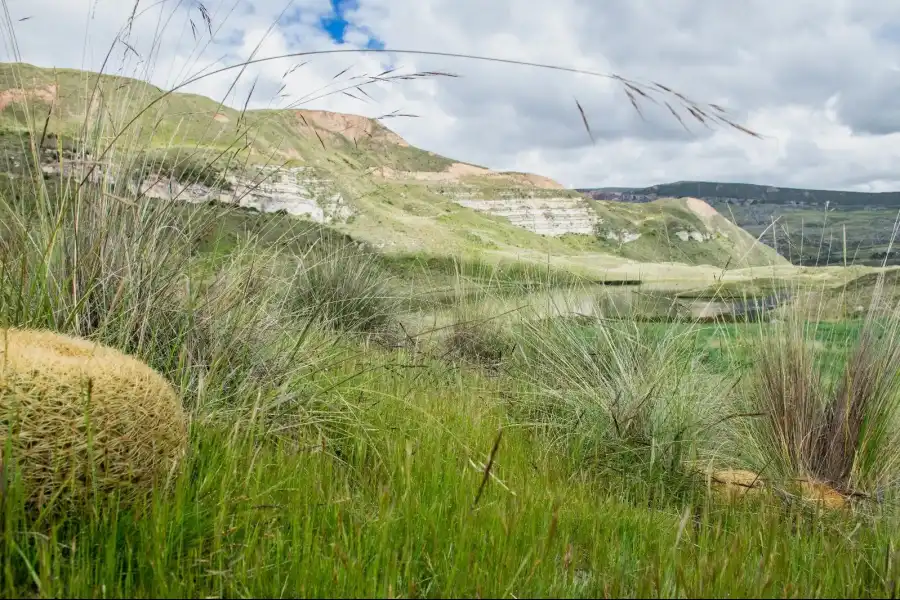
{"x":358,"y":469}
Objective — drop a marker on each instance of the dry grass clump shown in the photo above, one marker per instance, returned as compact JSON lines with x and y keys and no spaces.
{"x":479,"y":343}
{"x":821,"y":422}
{"x":79,"y":418}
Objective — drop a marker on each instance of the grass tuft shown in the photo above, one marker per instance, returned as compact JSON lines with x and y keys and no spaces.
{"x":346,"y":288}
{"x":828,"y":419}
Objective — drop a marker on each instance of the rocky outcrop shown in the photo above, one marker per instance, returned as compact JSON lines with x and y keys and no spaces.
{"x":46,"y":94}
{"x":541,"y":215}
{"x":296,"y":191}
{"x":696,"y":236}
{"x":352,"y":127}
{"x":622,"y":236}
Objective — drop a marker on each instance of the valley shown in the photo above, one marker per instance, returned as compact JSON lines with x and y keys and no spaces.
{"x":808,"y":227}
{"x":358,"y":177}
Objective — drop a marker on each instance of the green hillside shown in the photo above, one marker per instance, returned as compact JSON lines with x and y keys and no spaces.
{"x":810,"y":226}
{"x":768,"y":194}
{"x":398,"y":198}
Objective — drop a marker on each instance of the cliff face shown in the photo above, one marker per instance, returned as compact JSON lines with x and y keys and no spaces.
{"x":544,"y":216}
{"x":542,"y":211}
{"x":296,"y":191}
{"x":348,"y":171}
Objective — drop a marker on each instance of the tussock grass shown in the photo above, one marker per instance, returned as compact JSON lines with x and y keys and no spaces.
{"x":124,"y":274}
{"x":615,"y":387}
{"x":346,"y":288}
{"x":478,"y":337}
{"x":829,"y":419}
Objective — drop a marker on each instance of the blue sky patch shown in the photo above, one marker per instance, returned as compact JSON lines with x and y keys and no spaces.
{"x":335,"y":24}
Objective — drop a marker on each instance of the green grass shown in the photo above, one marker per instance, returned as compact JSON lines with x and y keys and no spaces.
{"x":350,"y":470}
{"x":658,"y":224}
{"x":393,"y":515}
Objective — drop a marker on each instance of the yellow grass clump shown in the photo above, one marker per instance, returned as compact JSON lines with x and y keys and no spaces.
{"x":81,"y":418}
{"x":734,"y":484}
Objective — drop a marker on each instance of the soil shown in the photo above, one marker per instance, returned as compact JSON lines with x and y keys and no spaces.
{"x":45,"y":94}
{"x":353,"y":127}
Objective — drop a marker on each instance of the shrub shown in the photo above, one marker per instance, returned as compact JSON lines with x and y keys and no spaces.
{"x":81,"y":418}
{"x":478,"y":333}
{"x":480,"y":343}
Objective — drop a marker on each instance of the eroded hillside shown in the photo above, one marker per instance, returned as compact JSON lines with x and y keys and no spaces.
{"x":348,"y":171}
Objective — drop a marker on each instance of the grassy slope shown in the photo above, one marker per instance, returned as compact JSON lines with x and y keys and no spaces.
{"x":658,"y":222}
{"x":812,"y":236}
{"x":396,"y":215}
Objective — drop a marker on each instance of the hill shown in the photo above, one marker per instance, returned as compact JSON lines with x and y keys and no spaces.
{"x":807,"y":226}
{"x":748,"y":193}
{"x":347,"y":171}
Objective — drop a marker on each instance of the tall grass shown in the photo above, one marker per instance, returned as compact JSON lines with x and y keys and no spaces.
{"x":345,"y":287}
{"x":828,"y":419}
{"x":126,"y":274}
{"x":269,"y":521}
{"x":616,"y":388}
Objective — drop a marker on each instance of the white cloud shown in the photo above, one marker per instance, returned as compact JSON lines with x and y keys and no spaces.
{"x":819,"y":78}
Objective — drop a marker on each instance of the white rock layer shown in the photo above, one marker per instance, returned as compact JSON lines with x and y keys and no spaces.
{"x":623,"y":236}
{"x":297,"y":191}
{"x":544,"y":216}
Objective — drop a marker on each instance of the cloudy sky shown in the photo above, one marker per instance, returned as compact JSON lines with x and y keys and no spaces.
{"x":819,"y":79}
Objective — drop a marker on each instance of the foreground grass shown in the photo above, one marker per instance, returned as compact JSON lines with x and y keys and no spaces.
{"x":322,"y":464}
{"x":393,"y":513}
{"x":371,"y":478}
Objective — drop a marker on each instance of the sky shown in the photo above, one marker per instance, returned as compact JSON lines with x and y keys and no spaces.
{"x":818,"y":79}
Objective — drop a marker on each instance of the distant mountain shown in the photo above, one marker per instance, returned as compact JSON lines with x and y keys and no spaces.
{"x":747,"y":193}
{"x":807,"y":226}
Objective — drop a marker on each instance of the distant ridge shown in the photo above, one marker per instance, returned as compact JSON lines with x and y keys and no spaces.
{"x":745,"y":193}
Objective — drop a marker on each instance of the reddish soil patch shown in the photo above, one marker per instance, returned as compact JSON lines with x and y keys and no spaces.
{"x":352,"y":127}
{"x":44,"y":94}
